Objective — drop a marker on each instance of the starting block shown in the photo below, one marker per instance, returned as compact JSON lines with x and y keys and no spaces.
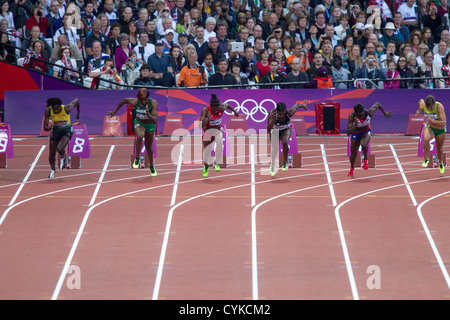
{"x":433,"y":160}
{"x":143,"y":161}
{"x":72,"y":162}
{"x":3,"y":160}
{"x":295,"y":160}
{"x":143,"y":156}
{"x":370,"y":158}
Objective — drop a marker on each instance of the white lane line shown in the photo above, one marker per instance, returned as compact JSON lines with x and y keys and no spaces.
{"x":430,"y":238}
{"x":177,"y":176}
{"x":400,"y":168}
{"x":27,"y":176}
{"x":252,"y":163}
{"x":327,"y":170}
{"x":100,"y":180}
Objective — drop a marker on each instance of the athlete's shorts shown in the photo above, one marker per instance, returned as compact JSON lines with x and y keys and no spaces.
{"x":57,"y":133}
{"x":437,"y":131}
{"x":149,"y":127}
{"x":358,"y":135}
{"x":280,"y":132}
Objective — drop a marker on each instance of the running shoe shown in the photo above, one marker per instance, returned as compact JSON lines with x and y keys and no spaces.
{"x":217,"y":167}
{"x":441,"y":168}
{"x":205,"y":171}
{"x":285,"y":166}
{"x":153,"y":172}
{"x":272,"y":170}
{"x":425,"y":163}
{"x":136,"y":163}
{"x":52,"y":174}
{"x":365,"y":165}
{"x":350,"y":173}
{"x":62,"y":162}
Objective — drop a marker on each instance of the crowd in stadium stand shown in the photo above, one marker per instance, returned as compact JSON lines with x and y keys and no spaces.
{"x":343,"y":44}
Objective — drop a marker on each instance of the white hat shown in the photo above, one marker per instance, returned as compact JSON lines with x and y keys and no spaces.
{"x":389,"y":26}
{"x":169,"y":31}
{"x":368,"y":26}
{"x":359,"y":25}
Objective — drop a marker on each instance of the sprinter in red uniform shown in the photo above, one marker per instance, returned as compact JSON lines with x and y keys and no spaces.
{"x":210,"y":123}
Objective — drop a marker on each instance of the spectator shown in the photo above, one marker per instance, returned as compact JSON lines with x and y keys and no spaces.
{"x":268,"y":26}
{"x":214,"y":49}
{"x":390,"y":54}
{"x":421,"y":52}
{"x":405,"y":72}
{"x":97,"y":59}
{"x":144,"y":49}
{"x":192,"y":75}
{"x":401,"y":31}
{"x":446,"y":70}
{"x":107,"y":72}
{"x":168,"y":40}
{"x":222,"y":77}
{"x":133,"y":32}
{"x":263,"y":65}
{"x":37,"y":18}
{"x":66,"y":67}
{"x":296,"y":75}
{"x":312,"y":72}
{"x":427,"y":38}
{"x":445,"y":36}
{"x":282,"y":65}
{"x":6,"y":49}
{"x":389,"y":35}
{"x":177,"y":59}
{"x":96,"y":35}
{"x":177,"y":12}
{"x":164,"y":21}
{"x":113,"y":39}
{"x":210,"y":25}
{"x":273,"y":76}
{"x":340,"y":74}
{"x":144,"y":79}
{"x":429,"y":69}
{"x":222,"y":37}
{"x":123,"y":51}
{"x":321,"y":81}
{"x":143,"y":18}
{"x":199,"y":42}
{"x":69,"y":31}
{"x":27,"y":43}
{"x":54,"y":19}
{"x":440,"y":57}
{"x":153,"y":34}
{"x":409,"y":15}
{"x":108,"y":6}
{"x":88,"y":13}
{"x":354,"y":57}
{"x":392,"y":73}
{"x":74,"y":51}
{"x":130,"y":69}
{"x":126,"y":18}
{"x":248,"y":63}
{"x":241,"y":78}
{"x":369,"y":69}
{"x":160,"y":66}
{"x":5,"y":13}
{"x":226,"y":15}
{"x":34,"y":59}
{"x":208,"y":64}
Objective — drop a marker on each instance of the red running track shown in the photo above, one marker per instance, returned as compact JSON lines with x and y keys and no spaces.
{"x":106,"y":231}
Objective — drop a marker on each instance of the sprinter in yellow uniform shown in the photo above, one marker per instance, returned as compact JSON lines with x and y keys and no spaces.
{"x":61,"y":129}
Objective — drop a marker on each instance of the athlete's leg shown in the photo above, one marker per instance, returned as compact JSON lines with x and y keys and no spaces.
{"x":365,"y":138}
{"x":52,"y":154}
{"x":440,"y":139}
{"x":149,"y":136}
{"x":428,"y":135}
{"x":218,"y":138}
{"x":208,"y":139}
{"x":285,"y":136}
{"x":354,"y":147}
{"x":139,"y":131}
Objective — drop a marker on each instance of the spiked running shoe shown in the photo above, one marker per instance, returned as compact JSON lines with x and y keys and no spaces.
{"x":365,"y":165}
{"x":52,"y":174}
{"x":350,"y":173}
{"x":285,"y":166}
{"x":153,"y":172}
{"x":217,"y":167}
{"x":205,"y":171}
{"x":425,"y":163}
{"x":62,"y":162}
{"x":441,"y":168}
{"x":272,"y":170}
{"x":136,"y":164}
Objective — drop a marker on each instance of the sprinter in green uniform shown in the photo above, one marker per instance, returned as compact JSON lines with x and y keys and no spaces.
{"x":144,"y":124}
{"x":435,"y":127}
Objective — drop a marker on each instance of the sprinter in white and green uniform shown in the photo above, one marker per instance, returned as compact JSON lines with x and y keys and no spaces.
{"x":144,"y":124}
{"x":435,"y":127}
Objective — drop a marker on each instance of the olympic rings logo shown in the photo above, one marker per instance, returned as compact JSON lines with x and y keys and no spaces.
{"x":257,"y":112}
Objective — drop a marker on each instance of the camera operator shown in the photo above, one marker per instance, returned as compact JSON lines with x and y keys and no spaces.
{"x":224,"y":14}
{"x":369,"y":69}
{"x":37,"y":18}
{"x":390,"y":54}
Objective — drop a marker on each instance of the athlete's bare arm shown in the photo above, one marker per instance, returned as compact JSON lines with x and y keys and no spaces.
{"x":153,"y":115}
{"x":130,"y":101}
{"x":73,"y":104}
{"x":297,"y":106}
{"x":205,"y":116}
